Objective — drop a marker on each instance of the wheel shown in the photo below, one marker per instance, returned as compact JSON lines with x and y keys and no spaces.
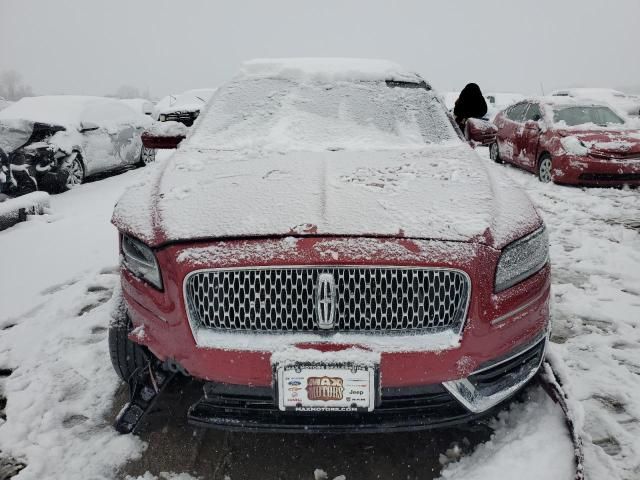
{"x":147,"y":156}
{"x":494,"y":152}
{"x":544,"y":168}
{"x":127,"y":357}
{"x":75,"y":172}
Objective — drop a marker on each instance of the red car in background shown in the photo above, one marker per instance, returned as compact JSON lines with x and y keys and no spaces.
{"x":569,"y":141}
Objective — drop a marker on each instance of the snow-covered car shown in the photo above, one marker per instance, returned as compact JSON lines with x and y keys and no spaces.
{"x":326,"y":252}
{"x":183,"y":108}
{"x":140,"y":105}
{"x":54,"y":142}
{"x":623,"y":102}
{"x":569,"y":141}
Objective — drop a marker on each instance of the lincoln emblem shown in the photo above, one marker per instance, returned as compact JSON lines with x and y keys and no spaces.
{"x":326,"y":300}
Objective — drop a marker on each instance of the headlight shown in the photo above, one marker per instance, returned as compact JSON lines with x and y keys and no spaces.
{"x":521,"y":259}
{"x":141,"y":261}
{"x":162,"y":117}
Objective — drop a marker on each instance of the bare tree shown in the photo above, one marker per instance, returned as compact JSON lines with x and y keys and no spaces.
{"x":11,"y":86}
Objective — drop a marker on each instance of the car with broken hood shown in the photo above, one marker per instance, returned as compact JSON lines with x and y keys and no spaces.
{"x":183,"y":108}
{"x":55,"y":142}
{"x":569,"y":141}
{"x":325,"y":252}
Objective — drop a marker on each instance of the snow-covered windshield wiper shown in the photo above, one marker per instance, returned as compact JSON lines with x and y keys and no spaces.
{"x":401,"y":84}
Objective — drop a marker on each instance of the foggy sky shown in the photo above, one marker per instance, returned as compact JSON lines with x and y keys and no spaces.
{"x":93,"y":47}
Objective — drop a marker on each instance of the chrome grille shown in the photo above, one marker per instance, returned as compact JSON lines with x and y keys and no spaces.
{"x":368,"y":299}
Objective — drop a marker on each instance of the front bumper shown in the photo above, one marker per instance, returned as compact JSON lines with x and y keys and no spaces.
{"x":237,"y":407}
{"x":594,"y":171}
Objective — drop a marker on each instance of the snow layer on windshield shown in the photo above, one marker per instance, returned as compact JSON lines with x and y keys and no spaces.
{"x":283,"y":115}
{"x":327,"y":69}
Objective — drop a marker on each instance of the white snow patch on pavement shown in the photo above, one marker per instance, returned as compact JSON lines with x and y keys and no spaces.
{"x":57,"y":281}
{"x":595,"y":257}
{"x":530,"y":443}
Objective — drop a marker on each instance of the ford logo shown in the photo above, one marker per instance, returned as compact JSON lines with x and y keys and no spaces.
{"x":294,"y":382}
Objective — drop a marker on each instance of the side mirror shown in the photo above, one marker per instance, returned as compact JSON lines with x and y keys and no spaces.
{"x":88,"y":127}
{"x":164,"y":135}
{"x":480,"y":132}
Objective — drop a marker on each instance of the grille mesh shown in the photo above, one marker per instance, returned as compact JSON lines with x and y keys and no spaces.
{"x":367,"y":299}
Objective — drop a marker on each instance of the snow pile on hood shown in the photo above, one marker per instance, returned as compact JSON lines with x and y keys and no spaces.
{"x":327,"y":69}
{"x":440,"y":192}
{"x":574,"y":146}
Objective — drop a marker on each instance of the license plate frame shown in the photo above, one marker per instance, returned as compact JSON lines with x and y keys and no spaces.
{"x":301,"y":387}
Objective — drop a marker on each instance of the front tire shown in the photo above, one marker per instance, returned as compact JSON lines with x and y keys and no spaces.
{"x":494,"y":153}
{"x":147,"y":156}
{"x":545,"y":165}
{"x":127,"y":357}
{"x":75,"y":173}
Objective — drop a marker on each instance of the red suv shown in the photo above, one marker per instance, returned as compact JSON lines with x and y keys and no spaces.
{"x":326,"y":253}
{"x":569,"y":141}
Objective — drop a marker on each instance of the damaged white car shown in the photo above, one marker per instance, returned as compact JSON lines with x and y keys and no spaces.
{"x":53,"y":143}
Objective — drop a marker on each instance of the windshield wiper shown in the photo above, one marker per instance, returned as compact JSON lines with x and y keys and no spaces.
{"x":401,"y":84}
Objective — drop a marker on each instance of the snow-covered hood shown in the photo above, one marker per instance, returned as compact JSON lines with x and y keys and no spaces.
{"x":608,"y":141}
{"x":440,"y":192}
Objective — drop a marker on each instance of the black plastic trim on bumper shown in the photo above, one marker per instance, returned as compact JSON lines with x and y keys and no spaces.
{"x":245,"y":408}
{"x":410,"y":409}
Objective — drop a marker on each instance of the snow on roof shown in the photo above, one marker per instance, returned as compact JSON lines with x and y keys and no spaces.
{"x":190,"y":100}
{"x":327,"y":69}
{"x":53,"y":109}
{"x":589,"y":92}
{"x":562,"y":101}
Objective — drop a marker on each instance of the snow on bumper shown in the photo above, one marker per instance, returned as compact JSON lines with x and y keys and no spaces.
{"x":496,"y":326}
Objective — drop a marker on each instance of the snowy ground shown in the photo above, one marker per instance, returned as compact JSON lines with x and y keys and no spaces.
{"x":58,"y":273}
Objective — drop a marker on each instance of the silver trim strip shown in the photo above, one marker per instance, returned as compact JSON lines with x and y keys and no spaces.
{"x":473,"y":400}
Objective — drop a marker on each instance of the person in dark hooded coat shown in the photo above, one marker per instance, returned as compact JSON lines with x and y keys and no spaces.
{"x":470,"y":104}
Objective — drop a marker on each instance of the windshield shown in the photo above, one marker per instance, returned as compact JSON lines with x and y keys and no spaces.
{"x":580,"y":115}
{"x":285,"y":115}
